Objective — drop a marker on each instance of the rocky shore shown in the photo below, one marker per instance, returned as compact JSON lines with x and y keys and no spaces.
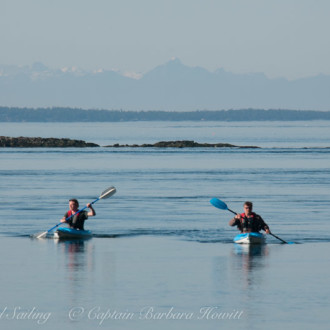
{"x":38,"y":142}
{"x":180,"y":144}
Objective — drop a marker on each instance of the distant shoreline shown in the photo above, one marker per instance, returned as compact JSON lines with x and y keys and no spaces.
{"x":15,"y":114}
{"x":38,"y":142}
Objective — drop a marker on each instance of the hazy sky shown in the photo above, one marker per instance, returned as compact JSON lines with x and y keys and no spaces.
{"x":282,"y":38}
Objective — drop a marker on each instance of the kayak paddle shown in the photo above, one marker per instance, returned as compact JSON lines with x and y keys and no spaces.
{"x":220,"y":205}
{"x":223,"y":206}
{"x":105,"y":194}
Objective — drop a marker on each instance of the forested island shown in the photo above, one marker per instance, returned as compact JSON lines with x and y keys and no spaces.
{"x":12,"y":114}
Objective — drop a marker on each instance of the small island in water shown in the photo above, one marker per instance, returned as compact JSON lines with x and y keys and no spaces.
{"x":38,"y":142}
{"x":180,"y":144}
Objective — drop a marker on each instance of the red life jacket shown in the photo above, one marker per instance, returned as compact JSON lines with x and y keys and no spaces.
{"x":70,"y":213}
{"x":243,"y":215}
{"x":249,"y":223}
{"x":76,"y":221}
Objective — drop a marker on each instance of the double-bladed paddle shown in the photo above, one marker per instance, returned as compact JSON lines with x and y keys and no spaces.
{"x":105,"y":194}
{"x":223,"y":206}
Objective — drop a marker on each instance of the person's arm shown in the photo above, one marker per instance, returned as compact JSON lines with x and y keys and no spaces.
{"x":64,"y":218}
{"x":235,"y":221}
{"x":92,"y":212}
{"x":264,"y":225}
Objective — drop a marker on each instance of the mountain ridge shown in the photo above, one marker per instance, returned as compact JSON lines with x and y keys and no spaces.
{"x":172,"y":86}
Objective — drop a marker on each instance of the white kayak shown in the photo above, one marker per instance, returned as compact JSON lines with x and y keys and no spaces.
{"x":71,"y":233}
{"x":250,"y":238}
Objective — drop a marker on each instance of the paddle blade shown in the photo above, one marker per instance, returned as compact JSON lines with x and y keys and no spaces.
{"x":40,"y":235}
{"x":219,"y":204}
{"x":108,"y":193}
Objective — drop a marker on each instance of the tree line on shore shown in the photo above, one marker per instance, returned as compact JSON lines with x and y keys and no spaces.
{"x":57,"y":114}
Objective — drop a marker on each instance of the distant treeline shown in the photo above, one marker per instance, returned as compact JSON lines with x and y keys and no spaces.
{"x":11,"y":114}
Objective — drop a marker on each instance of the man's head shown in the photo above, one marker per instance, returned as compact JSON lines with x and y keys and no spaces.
{"x":248,"y":206}
{"x":73,"y":204}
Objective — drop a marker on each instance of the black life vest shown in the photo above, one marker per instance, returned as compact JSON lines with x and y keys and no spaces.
{"x":76,"y":221}
{"x":251,"y":223}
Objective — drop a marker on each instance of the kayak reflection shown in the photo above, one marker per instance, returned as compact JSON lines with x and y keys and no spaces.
{"x":77,"y":254}
{"x":248,"y":260}
{"x":251,"y":249}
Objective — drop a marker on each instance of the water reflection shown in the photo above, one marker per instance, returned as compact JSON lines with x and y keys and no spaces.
{"x":251,"y":249}
{"x":76,"y":260}
{"x":78,"y":256}
{"x":247,"y":261}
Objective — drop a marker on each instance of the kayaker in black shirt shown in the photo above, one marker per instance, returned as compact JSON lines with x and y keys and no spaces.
{"x":77,"y":221}
{"x":249,"y":222}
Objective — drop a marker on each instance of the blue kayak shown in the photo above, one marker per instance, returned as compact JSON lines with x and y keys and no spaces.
{"x":250,"y":238}
{"x":71,"y":233}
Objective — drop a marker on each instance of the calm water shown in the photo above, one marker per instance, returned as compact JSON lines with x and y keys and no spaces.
{"x":162,"y":256}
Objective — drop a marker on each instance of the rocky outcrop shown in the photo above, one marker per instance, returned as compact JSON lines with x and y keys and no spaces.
{"x":180,"y":144}
{"x":38,"y":142}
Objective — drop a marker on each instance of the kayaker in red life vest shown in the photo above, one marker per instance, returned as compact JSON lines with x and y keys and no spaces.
{"x":77,"y":221}
{"x":249,"y":222}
